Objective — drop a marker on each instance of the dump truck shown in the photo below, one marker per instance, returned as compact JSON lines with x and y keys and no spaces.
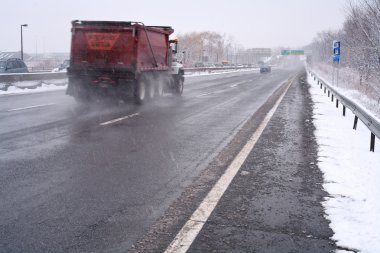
{"x":120,"y":60}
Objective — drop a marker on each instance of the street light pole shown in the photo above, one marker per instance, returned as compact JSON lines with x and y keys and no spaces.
{"x":22,"y":50}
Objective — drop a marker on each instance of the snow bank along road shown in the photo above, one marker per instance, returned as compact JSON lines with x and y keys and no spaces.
{"x":98,"y":180}
{"x":351,"y":174}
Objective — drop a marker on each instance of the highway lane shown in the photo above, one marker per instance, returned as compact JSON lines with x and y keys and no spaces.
{"x":69,"y":182}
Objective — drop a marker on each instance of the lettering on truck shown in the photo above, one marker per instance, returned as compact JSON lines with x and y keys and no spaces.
{"x":101,"y":41}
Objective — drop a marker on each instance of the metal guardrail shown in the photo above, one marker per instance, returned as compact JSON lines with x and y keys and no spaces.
{"x":7,"y":80}
{"x":19,"y":77}
{"x":210,"y":69}
{"x":40,"y":69}
{"x":372,"y":123}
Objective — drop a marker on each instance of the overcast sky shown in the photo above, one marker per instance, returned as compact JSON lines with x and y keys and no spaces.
{"x":252,"y":23}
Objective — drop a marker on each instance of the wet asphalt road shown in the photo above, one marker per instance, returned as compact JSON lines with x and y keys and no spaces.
{"x":70,"y":184}
{"x":273,"y":204}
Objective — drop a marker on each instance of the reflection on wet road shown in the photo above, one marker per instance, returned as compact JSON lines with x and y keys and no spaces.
{"x":79,"y":179}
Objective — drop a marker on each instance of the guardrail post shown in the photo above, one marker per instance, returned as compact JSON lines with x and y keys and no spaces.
{"x":355,"y":122}
{"x":372,"y":148}
{"x":372,"y":123}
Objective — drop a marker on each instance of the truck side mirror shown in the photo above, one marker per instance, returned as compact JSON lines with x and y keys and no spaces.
{"x":175,"y":48}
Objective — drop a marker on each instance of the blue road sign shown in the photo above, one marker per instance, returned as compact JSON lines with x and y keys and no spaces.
{"x":336,"y":59}
{"x":336,"y":44}
{"x":336,"y":51}
{"x":336,"y":47}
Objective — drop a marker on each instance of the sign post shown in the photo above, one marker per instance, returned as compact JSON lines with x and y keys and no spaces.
{"x":336,"y":60}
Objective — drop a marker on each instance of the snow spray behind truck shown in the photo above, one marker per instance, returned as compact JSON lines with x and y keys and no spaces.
{"x":122,"y":60}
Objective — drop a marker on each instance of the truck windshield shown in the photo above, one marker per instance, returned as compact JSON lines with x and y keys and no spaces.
{"x":2,"y":64}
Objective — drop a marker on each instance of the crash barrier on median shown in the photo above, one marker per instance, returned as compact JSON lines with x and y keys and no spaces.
{"x":7,"y":80}
{"x":372,"y":123}
{"x":215,"y":69}
{"x":59,"y":75}
{"x":29,"y":80}
{"x":11,"y":78}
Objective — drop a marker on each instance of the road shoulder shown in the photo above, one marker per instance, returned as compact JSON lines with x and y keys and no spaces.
{"x":274,"y":202}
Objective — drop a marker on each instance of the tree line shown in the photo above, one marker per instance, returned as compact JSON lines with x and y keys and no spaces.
{"x":360,"y":42}
{"x":208,"y":47}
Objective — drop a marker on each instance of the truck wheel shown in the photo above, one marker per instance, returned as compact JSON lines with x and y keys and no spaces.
{"x":160,"y":88}
{"x":179,"y":86}
{"x":140,"y":91}
{"x":82,"y":96}
{"x":81,"y":99}
{"x":151,"y":91}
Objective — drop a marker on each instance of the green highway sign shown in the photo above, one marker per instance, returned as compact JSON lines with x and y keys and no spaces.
{"x":292,"y":52}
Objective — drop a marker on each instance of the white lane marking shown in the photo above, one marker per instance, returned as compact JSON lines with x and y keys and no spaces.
{"x":205,"y":94}
{"x":119,"y":119}
{"x":221,"y":91}
{"x":238,"y":83}
{"x":30,"y":107}
{"x":193,"y":226}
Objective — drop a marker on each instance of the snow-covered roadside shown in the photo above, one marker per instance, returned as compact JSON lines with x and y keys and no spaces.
{"x":351,"y":175}
{"x":349,"y":86}
{"x":44,"y":87}
{"x":28,"y":87}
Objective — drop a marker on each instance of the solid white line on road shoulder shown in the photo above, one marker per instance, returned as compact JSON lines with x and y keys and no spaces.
{"x":193,"y":226}
{"x":119,"y":119}
{"x":29,"y":107}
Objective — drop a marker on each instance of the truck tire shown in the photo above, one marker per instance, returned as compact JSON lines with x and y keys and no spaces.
{"x":140,"y":91}
{"x":151,"y":90}
{"x":160,"y":88}
{"x":179,"y":85}
{"x":82,"y":99}
{"x":80,"y":93}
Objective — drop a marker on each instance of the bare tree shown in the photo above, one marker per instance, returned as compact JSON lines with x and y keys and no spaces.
{"x":360,"y":43}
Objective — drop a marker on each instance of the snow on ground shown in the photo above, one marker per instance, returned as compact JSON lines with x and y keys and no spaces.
{"x":349,"y":86}
{"x":13,"y":90}
{"x":351,"y":174}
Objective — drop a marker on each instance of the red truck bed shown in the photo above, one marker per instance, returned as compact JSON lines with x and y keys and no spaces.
{"x":119,"y":46}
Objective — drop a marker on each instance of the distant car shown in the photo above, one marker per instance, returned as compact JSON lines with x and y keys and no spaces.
{"x":63,"y":66}
{"x":13,"y":65}
{"x":265,"y":69}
